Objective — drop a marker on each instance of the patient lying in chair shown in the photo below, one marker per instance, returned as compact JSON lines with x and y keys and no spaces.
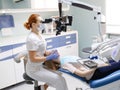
{"x":88,"y":74}
{"x":80,"y":70}
{"x":93,"y":73}
{"x":96,"y":73}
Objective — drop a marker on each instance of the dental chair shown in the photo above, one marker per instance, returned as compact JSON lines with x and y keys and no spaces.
{"x":23,"y":56}
{"x":110,"y":82}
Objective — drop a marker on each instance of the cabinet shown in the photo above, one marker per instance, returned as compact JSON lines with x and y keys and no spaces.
{"x":7,"y":76}
{"x":19,"y":68}
{"x":11,"y":72}
{"x":66,"y":44}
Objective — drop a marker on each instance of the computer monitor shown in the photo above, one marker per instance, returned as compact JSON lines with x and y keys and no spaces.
{"x":6,"y":21}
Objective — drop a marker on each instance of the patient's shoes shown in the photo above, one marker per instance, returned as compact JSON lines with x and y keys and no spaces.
{"x":43,"y":87}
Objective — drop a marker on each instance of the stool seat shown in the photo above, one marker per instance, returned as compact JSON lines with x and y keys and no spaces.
{"x":29,"y":80}
{"x":26,"y":77}
{"x":87,"y":50}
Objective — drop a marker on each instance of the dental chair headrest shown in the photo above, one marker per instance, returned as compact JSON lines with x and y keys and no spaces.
{"x":19,"y":56}
{"x":116,"y":53}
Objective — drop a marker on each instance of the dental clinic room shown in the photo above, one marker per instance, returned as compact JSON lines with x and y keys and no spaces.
{"x":59,"y":45}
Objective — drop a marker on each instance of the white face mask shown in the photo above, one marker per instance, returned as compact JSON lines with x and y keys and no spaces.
{"x":41,"y":27}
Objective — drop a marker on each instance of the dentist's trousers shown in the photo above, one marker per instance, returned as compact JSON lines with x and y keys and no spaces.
{"x":49,"y":77}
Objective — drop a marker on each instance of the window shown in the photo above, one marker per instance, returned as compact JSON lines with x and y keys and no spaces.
{"x":44,"y":4}
{"x":35,"y":6}
{"x":112,"y":16}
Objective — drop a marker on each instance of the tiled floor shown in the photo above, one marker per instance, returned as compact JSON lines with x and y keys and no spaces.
{"x":23,"y":86}
{"x":72,"y":84}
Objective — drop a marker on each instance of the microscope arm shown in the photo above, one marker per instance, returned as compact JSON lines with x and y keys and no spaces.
{"x":78,"y":4}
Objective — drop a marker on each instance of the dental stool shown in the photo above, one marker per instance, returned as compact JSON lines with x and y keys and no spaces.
{"x":29,"y":80}
{"x":23,"y":56}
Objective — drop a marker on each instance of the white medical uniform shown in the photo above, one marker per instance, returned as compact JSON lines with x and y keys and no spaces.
{"x":36,"y":70}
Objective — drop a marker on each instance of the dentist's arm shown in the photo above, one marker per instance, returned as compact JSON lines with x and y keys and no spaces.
{"x":34,"y":58}
{"x":49,"y":52}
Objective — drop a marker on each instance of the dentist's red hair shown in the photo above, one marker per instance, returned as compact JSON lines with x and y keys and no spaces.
{"x":32,"y":19}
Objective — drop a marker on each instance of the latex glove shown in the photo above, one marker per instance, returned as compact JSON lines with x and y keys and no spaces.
{"x":52,"y":56}
{"x":54,"y":51}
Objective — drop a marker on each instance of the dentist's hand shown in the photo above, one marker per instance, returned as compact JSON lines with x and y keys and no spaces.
{"x":52,"y":56}
{"x":54,"y":51}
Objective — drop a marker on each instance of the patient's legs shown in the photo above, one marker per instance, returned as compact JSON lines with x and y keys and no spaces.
{"x":79,"y":70}
{"x":104,"y":71}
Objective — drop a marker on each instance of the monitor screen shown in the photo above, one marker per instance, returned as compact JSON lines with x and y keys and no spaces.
{"x":6,"y":21}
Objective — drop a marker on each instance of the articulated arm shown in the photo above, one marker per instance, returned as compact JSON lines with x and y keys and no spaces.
{"x":78,"y":4}
{"x":109,"y":48}
{"x":107,"y":44}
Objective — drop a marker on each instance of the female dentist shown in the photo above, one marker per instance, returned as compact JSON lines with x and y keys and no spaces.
{"x":36,"y":48}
